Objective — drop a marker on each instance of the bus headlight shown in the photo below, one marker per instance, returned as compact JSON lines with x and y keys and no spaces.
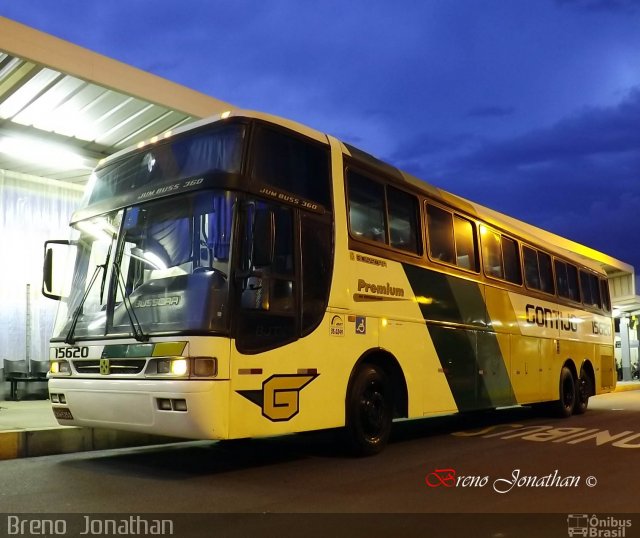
{"x":176,"y":366}
{"x":60,"y":368}
{"x":193,"y":367}
{"x":179,"y":366}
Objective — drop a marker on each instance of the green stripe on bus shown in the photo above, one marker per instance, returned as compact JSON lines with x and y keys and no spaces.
{"x":470,"y":356}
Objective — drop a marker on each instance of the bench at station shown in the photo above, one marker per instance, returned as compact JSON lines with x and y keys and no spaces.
{"x":16,"y":372}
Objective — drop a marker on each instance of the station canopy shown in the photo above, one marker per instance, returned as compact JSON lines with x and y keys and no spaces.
{"x":63,"y":107}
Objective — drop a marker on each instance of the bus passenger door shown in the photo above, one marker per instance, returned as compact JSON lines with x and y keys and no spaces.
{"x":266,"y":313}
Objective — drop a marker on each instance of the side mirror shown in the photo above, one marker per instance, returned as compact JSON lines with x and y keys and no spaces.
{"x":52,"y":286}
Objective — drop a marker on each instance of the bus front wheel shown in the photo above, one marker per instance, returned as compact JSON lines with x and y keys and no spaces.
{"x":369,"y":411}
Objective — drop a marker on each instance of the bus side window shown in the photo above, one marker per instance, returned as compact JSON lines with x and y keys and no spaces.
{"x":531,"y":275}
{"x":440,"y":230}
{"x":500,"y":256}
{"x":465,"y":237}
{"x":292,"y":164}
{"x":546,"y":273}
{"x":491,"y":253}
{"x":511,"y":260}
{"x":404,"y":217}
{"x":606,"y":297}
{"x":586,"y":289}
{"x":366,"y":208}
{"x":572,"y":282}
{"x":595,"y":291}
{"x":561,"y":279}
{"x":590,"y":290}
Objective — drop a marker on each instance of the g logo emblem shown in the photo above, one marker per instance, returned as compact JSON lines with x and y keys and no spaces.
{"x":280,"y":395}
{"x":105,"y":369}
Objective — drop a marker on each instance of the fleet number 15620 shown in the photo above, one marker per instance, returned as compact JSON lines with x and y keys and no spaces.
{"x":72,"y":352}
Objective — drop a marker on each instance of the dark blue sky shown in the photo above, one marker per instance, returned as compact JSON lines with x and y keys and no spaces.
{"x":531,"y":107}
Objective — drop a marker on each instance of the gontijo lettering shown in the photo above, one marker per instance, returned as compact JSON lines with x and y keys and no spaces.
{"x":551,"y":319}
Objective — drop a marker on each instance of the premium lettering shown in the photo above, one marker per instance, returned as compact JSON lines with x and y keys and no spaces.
{"x":380,"y":289}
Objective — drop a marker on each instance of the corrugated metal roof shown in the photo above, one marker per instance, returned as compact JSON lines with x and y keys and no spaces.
{"x":81,"y":103}
{"x":44,"y":104}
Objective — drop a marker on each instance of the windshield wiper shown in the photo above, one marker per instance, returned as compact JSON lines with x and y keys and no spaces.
{"x":69,"y":339}
{"x":136,"y":328}
{"x":104,"y":275}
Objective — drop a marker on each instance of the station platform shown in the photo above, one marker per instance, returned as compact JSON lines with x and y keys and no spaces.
{"x":28,"y":428}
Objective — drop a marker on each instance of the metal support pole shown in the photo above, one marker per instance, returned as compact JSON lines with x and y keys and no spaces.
{"x":27,"y":354}
{"x":625,"y":348}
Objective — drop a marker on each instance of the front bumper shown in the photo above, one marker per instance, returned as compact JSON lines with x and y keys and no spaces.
{"x":135,"y":405}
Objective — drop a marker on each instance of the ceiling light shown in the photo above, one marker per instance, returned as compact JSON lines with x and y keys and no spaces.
{"x":42,"y":153}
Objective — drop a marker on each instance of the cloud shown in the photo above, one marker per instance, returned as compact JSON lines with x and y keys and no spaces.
{"x":579,"y":177}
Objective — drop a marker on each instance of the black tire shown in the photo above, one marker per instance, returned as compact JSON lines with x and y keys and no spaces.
{"x":369,"y":411}
{"x":567,"y":402}
{"x":583,"y":391}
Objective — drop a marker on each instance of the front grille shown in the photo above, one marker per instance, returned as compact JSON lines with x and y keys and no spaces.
{"x":116,"y":366}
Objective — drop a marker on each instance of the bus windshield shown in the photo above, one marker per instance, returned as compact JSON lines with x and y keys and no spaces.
{"x":157,"y":267}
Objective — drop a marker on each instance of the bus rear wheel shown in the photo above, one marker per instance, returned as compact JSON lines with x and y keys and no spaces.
{"x":567,"y":402}
{"x":369,"y":411}
{"x":583,"y":391}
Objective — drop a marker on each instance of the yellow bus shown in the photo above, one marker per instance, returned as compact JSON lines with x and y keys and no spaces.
{"x":248,"y":276}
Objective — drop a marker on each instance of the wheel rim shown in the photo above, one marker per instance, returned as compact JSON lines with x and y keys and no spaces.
{"x":568,"y":393}
{"x":373,"y":411}
{"x":583,"y":389}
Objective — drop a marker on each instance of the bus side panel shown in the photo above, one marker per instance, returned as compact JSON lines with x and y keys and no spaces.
{"x":551,"y":363}
{"x":605,"y":367}
{"x":427,"y":386}
{"x":525,"y":368}
{"x":525,"y":360}
{"x":300,"y":386}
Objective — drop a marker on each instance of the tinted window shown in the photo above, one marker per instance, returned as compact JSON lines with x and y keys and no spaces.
{"x":500,"y":256}
{"x":403,"y":220}
{"x":531,"y":275}
{"x":561,"y":279}
{"x":216,"y":150}
{"x":492,"y":253}
{"x":567,"y":281}
{"x":511,"y":260}
{"x":315,"y":240}
{"x":292,"y":164}
{"x":572,"y":283}
{"x":440,"y":228}
{"x":538,"y":270}
{"x":366,"y":208}
{"x":604,"y":292}
{"x":465,"y":237}
{"x":546,"y":273}
{"x":590,"y":289}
